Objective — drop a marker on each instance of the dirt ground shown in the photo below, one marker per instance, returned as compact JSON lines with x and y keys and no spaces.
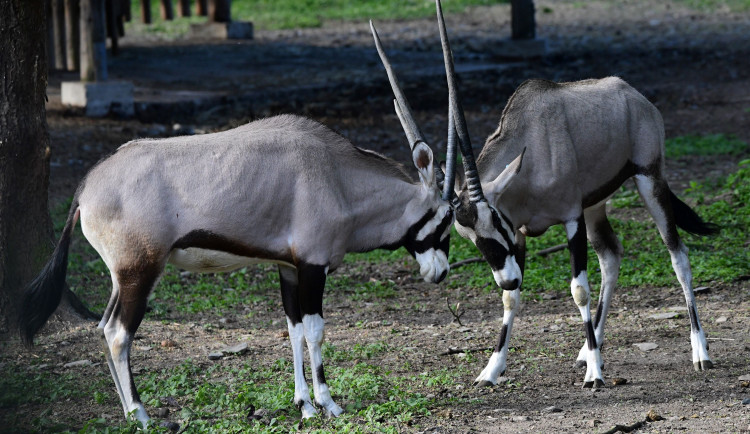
{"x":693,"y":65}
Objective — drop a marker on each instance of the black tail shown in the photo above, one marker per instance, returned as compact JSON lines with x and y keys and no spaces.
{"x":43,"y":295}
{"x":688,"y":220}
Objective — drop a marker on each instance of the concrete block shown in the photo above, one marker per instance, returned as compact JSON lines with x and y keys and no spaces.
{"x":99,"y":98}
{"x":230,"y":30}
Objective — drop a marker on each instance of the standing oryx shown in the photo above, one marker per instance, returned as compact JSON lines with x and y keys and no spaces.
{"x":286,"y":190}
{"x":578,"y":143}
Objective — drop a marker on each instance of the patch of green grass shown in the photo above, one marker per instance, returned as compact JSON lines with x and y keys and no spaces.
{"x":712,"y":5}
{"x":289,"y":14}
{"x":713,"y":144}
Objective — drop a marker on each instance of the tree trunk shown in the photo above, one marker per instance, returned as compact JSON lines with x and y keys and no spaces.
{"x":25,"y":224}
{"x":26,"y":236}
{"x":523,"y":25}
{"x":220,"y":11}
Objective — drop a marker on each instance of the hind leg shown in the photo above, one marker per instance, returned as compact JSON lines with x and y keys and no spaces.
{"x":126,"y":310}
{"x":655,"y":194}
{"x":609,"y":251}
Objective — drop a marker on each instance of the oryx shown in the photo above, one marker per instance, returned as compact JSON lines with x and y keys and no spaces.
{"x":560,"y":151}
{"x":285,"y":190}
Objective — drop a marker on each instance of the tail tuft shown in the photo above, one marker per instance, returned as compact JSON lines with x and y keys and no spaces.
{"x":43,"y":294}
{"x":688,"y":220}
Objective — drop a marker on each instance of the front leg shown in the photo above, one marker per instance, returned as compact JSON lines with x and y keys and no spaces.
{"x":290,"y":299}
{"x":511,"y":301}
{"x":579,"y":288}
{"x":312,"y":282}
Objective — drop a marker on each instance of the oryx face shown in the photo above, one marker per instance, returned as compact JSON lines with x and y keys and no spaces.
{"x":492,"y":232}
{"x":428,"y":241}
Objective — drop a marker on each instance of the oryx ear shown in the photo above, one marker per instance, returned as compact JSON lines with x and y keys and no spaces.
{"x":423,"y":161}
{"x":499,"y":184}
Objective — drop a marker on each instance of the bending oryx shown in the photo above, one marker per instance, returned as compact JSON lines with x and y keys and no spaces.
{"x":285,"y":189}
{"x":578,"y":143}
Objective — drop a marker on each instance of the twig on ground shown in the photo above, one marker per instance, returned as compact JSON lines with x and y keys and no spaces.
{"x":720,"y":339}
{"x":456,"y":314}
{"x":452,"y":351}
{"x":553,"y":249}
{"x":466,"y":261}
{"x":625,"y":428}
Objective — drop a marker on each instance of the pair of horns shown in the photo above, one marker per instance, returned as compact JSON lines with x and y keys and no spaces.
{"x":456,"y":120}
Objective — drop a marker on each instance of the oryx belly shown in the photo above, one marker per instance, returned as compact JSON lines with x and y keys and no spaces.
{"x":213,"y":261}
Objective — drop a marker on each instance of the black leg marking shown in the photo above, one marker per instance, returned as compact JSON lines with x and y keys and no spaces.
{"x":312,"y":280}
{"x":598,"y":316}
{"x":577,"y":247}
{"x":694,"y":318}
{"x":321,"y":376}
{"x":501,"y":340}
{"x":590,"y":337}
{"x":289,"y":296}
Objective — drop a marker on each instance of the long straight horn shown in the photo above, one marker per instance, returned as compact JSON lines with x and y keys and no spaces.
{"x":450,"y":157}
{"x":403,"y":110}
{"x":470,"y":166}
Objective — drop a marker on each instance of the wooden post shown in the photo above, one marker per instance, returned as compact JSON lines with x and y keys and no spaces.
{"x":93,"y":41}
{"x":127,"y":7}
{"x":146,"y":11}
{"x":112,"y":14}
{"x":50,"y":35}
{"x":167,"y":11}
{"x":183,"y":8}
{"x":219,"y":11}
{"x":201,"y":8}
{"x":58,"y":29}
{"x":72,"y":32}
{"x":522,"y":22}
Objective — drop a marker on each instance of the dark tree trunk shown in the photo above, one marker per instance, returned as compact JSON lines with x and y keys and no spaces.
{"x":220,"y":11}
{"x":26,"y":236}
{"x":25,"y":224}
{"x":523,"y":25}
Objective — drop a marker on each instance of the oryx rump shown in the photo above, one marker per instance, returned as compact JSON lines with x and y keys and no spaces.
{"x":286,"y":190}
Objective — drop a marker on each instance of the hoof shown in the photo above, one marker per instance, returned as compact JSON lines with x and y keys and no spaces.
{"x":703,"y":365}
{"x":172,"y":426}
{"x":596,"y":384}
{"x":483,"y":383}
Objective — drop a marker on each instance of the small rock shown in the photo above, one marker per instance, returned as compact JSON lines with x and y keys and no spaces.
{"x":665,"y":315}
{"x":284,"y":334}
{"x":646,"y":346}
{"x":619,"y":381}
{"x":744,"y":377}
{"x":236,"y":349}
{"x":721,"y":319}
{"x":746,"y":401}
{"x":520,"y":419}
{"x":215,"y":355}
{"x":172,"y":426}
{"x":552,"y":409}
{"x":653,"y":416}
{"x":680,"y":308}
{"x":78,"y":363}
{"x":168,"y":343}
{"x":143,"y":348}
{"x":162,"y":412}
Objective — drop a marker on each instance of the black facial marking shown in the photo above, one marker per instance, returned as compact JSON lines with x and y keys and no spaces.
{"x":577,"y":247}
{"x":320,"y":375}
{"x":433,"y":240}
{"x":590,"y":337}
{"x":501,"y":340}
{"x":494,"y":253}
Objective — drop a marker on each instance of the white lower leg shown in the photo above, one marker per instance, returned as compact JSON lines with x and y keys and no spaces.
{"x":314,"y":334}
{"x":579,"y":288}
{"x":609,"y":264}
{"x":498,"y":362}
{"x":118,"y":342}
{"x":301,"y":392}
